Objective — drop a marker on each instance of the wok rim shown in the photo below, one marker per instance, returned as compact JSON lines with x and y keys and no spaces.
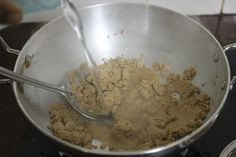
{"x":162,"y":149}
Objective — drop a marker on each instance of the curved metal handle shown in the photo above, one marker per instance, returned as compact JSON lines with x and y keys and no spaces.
{"x":233,"y":81}
{"x":226,"y":48}
{"x":11,"y":51}
{"x":229,"y":47}
{"x":7,"y":48}
{"x":24,"y":79}
{"x":5,"y":81}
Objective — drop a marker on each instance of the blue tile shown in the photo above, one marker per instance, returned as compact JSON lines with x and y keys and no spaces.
{"x":30,"y":6}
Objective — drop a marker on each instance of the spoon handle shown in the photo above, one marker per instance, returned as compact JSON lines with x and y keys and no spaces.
{"x":20,"y":78}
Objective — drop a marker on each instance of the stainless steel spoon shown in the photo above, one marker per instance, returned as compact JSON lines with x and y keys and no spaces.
{"x":63,"y":90}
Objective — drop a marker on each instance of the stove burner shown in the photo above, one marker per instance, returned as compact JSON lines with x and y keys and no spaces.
{"x":190,"y":152}
{"x":193,"y":152}
{"x":229,"y":150}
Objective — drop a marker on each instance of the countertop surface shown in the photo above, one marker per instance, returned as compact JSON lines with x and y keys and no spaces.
{"x":18,"y":138}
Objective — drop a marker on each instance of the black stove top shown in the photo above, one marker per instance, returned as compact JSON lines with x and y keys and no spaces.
{"x":19,"y":138}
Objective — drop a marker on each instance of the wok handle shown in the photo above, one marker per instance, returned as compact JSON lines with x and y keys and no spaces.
{"x":5,"y":81}
{"x":7,"y":48}
{"x":17,"y":77}
{"x":229,"y":47}
{"x":226,"y":48}
{"x":11,"y":51}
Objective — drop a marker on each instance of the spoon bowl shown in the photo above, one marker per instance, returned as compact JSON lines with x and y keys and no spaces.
{"x":63,"y":90}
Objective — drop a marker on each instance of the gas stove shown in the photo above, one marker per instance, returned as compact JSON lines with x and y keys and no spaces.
{"x":19,"y":138}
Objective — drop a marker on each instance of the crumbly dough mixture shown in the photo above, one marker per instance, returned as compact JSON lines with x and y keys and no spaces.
{"x":150,"y":106}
